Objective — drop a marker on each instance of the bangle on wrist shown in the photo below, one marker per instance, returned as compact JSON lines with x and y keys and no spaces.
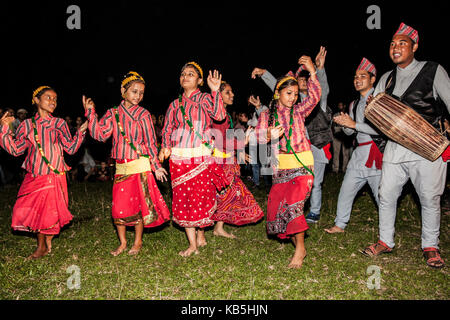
{"x":313,"y":73}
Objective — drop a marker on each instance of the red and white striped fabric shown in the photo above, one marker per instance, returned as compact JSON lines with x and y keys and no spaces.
{"x":55,"y":138}
{"x":408,"y":31}
{"x":138,"y":126}
{"x":299,"y":142}
{"x":367,"y":66}
{"x":201,"y":109}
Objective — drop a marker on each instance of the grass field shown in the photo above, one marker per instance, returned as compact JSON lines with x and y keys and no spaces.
{"x":250,"y":267}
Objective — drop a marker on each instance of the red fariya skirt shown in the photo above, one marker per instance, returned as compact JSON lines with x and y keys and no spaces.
{"x":136,"y":198}
{"x":42,"y":204}
{"x":236,"y":205}
{"x":290,"y":190}
{"x":195,"y":183}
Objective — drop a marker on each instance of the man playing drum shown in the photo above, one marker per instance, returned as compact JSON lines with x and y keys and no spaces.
{"x":422,"y":86}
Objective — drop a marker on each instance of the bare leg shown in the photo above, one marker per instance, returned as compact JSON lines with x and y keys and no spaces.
{"x":294,"y":241}
{"x":139,"y":230}
{"x":121,"y":231}
{"x":201,"y":240}
{"x":300,"y":251}
{"x":48,"y":242}
{"x":220,"y":231}
{"x":41,"y":248}
{"x":192,"y":237}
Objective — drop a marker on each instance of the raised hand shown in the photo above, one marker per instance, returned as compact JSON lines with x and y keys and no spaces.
{"x":255,"y":101}
{"x":88,"y":103}
{"x":320,"y":58}
{"x":214,"y":80}
{"x":83,"y":127}
{"x":6,"y":120}
{"x":307,"y":62}
{"x":257,"y":72}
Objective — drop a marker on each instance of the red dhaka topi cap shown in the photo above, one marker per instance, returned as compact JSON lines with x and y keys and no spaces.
{"x":367,"y":66}
{"x":408,"y":31}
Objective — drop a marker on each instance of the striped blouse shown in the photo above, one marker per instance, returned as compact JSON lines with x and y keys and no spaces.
{"x":299,"y":141}
{"x":137,"y":125}
{"x":54,"y":136}
{"x":201,"y":109}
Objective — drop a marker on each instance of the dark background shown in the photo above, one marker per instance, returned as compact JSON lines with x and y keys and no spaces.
{"x":155,"y":38}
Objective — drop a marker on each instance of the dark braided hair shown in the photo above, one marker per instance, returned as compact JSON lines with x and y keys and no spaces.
{"x":274,"y":102}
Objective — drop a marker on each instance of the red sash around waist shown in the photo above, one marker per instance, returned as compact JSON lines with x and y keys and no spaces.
{"x":374,"y":155}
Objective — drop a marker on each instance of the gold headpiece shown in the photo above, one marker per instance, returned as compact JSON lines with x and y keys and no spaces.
{"x":284,"y":80}
{"x":277,"y":95}
{"x":36,"y":92}
{"x":130,"y":76}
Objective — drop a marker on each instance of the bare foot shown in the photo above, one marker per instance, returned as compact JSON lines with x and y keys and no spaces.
{"x":39,"y":253}
{"x":334,"y":229}
{"x":223,"y":233}
{"x":135,"y":249}
{"x":201,"y":240}
{"x":297,"y":260}
{"x":119,"y":250}
{"x":188,"y":252}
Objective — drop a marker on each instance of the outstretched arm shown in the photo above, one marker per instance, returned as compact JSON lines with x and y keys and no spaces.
{"x":266,"y":76}
{"x":100,"y":130}
{"x":14,"y":146}
{"x":69,"y":144}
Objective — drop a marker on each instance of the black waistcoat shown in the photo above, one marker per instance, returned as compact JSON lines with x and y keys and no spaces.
{"x":419,"y":95}
{"x":318,"y":124}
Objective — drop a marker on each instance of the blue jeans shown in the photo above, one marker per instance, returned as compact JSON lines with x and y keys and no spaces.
{"x":316,"y":192}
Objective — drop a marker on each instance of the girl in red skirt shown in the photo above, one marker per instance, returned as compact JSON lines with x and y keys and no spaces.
{"x":136,"y":198}
{"x":196,"y":178}
{"x":293,"y":163}
{"x":42,"y":202}
{"x":235,"y":205}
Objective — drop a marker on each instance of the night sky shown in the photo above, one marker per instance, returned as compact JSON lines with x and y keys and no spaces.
{"x":155,"y":38}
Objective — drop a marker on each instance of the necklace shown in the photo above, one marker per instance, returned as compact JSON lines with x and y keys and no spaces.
{"x":189,"y":122}
{"x":122,"y":132}
{"x":231,"y":120}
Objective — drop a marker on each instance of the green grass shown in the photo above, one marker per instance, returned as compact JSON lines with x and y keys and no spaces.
{"x":250,"y":267}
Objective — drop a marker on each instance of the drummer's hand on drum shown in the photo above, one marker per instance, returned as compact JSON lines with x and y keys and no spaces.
{"x":447,"y":126}
{"x":345,"y":120}
{"x":369,"y":99}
